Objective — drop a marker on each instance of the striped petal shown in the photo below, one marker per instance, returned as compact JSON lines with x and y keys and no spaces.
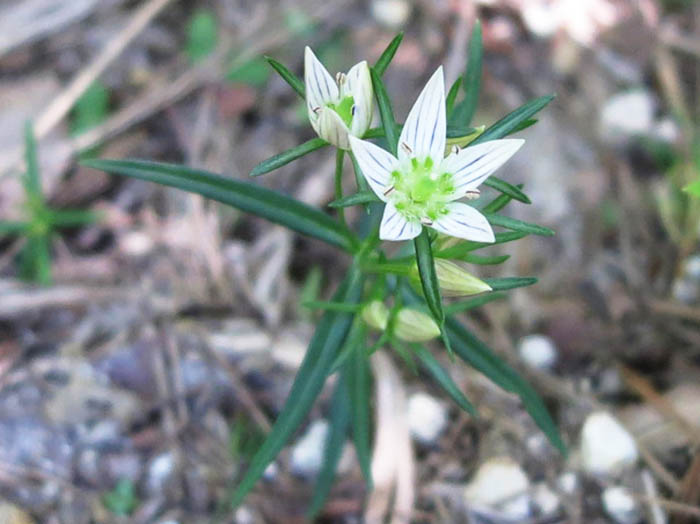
{"x":376,"y":165}
{"x":471,"y":166}
{"x":396,"y":227}
{"x":463,"y":221}
{"x":331,"y":128}
{"x":358,"y":84}
{"x":321,"y":89}
{"x":424,"y":132}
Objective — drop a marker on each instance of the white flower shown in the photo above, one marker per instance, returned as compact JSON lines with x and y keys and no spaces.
{"x":421,"y":186}
{"x":338,"y":107}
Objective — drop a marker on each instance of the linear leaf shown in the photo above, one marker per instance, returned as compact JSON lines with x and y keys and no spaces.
{"x":31,"y":179}
{"x":452,"y":95}
{"x":513,"y":120}
{"x":472,"y":303}
{"x":11,"y":227}
{"x":285,"y":157}
{"x":388,"y":55}
{"x":502,"y":284}
{"x":478,"y":355}
{"x":245,"y":196}
{"x":442,"y":377}
{"x":499,"y":202}
{"x":518,"y":225}
{"x":428,"y":276}
{"x":464,"y":112}
{"x":72,"y":217}
{"x":506,"y":188}
{"x":385,"y":112}
{"x":461,"y":249}
{"x":358,"y":381}
{"x":485,"y":261}
{"x":333,"y":447}
{"x":363,"y":197}
{"x":35,"y":260}
{"x":524,"y":125}
{"x":293,"y":80}
{"x":331,"y":306}
{"x":320,"y":355}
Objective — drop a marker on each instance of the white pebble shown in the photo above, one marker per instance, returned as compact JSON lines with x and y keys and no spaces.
{"x":427,"y":418}
{"x":568,"y":482}
{"x":620,"y":505}
{"x":538,"y":351}
{"x":545,"y":500}
{"x":391,"y":13}
{"x":499,"y":489}
{"x":606,"y":447}
{"x":307,"y":454}
{"x":627,"y":114}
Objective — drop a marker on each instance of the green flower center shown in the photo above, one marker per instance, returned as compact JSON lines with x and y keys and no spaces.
{"x":344,"y":109}
{"x":421,"y":192}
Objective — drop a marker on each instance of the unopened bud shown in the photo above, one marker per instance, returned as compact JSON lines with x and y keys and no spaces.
{"x":376,"y":315}
{"x":415,"y":326}
{"x":455,"y":281}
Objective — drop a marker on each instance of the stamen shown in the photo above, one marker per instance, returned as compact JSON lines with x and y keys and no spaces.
{"x":389,"y":191}
{"x":352,"y":110}
{"x":472,"y":194}
{"x":316,"y":110}
{"x":456,"y":149}
{"x":406,"y":148}
{"x":426,"y":221}
{"x":340,"y":79}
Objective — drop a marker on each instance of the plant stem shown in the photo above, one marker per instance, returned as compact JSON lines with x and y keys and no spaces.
{"x":339,"y":157}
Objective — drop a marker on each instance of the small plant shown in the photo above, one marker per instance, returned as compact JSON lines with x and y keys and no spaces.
{"x":40,"y":221}
{"x":409,"y":182}
{"x":121,"y":500}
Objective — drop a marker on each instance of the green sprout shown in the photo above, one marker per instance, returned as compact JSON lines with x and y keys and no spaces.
{"x":408,"y":182}
{"x":40,"y":221}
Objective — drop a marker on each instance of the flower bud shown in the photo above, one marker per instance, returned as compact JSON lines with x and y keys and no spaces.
{"x":455,"y":281}
{"x":415,"y":326}
{"x":376,"y":315}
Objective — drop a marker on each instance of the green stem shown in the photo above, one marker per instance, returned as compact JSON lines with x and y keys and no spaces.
{"x":339,"y":157}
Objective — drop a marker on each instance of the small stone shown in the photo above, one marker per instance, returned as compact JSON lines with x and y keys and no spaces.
{"x":568,"y":482}
{"x":136,"y":244}
{"x":620,"y":505}
{"x":538,"y":351}
{"x":545,"y":500}
{"x":627,"y":115}
{"x":160,"y":471}
{"x":499,"y":489}
{"x":427,"y":418}
{"x":271,"y":471}
{"x":606,"y":447}
{"x":307,"y":454}
{"x":391,"y":13}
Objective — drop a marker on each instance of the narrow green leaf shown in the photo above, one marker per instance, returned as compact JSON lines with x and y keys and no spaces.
{"x":35,"y":260}
{"x":443,"y":379}
{"x":385,"y":112}
{"x":10,"y":227}
{"x":499,"y":202}
{"x":71,"y":217}
{"x":518,"y":225}
{"x":477,"y":354}
{"x":363,"y":197}
{"x":358,"y":381}
{"x":387,"y":56}
{"x":485,"y":261}
{"x":333,"y":446}
{"x":202,"y":35}
{"x":247,"y":197}
{"x":524,"y":125}
{"x":285,"y":157}
{"x":293,"y":80}
{"x":32,"y":182}
{"x":502,"y":284}
{"x":90,"y":109}
{"x":428,"y":276}
{"x":331,"y":306}
{"x":473,"y":303}
{"x":513,"y":120}
{"x":464,"y":112}
{"x":330,"y":334}
{"x":461,"y":249}
{"x":507,"y":189}
{"x":452,"y":96}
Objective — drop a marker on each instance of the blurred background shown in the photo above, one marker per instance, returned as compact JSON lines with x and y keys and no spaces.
{"x":149,"y":341}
